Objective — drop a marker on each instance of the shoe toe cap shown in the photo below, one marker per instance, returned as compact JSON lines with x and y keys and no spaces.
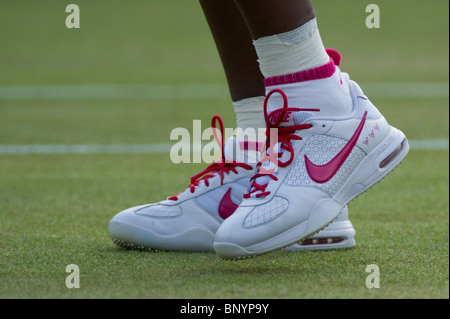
{"x":151,"y":216}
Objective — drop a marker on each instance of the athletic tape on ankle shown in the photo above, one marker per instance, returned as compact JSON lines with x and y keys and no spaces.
{"x":290,"y":52}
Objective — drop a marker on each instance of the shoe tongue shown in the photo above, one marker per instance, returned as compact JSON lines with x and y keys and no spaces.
{"x":293,"y":118}
{"x":231,"y":149}
{"x":290,"y":118}
{"x":301,"y":117}
{"x":235,"y":152}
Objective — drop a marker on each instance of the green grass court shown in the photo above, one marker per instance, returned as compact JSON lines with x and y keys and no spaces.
{"x":55,"y":208}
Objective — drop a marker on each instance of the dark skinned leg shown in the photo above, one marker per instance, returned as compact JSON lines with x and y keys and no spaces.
{"x":236,"y":51}
{"x":269,"y":17}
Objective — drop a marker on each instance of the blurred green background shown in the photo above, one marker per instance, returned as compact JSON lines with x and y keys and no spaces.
{"x":168,"y":43}
{"x":137,"y":69}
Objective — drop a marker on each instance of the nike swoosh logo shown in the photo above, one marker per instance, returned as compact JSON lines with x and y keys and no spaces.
{"x":323,"y":173}
{"x":226,"y":206}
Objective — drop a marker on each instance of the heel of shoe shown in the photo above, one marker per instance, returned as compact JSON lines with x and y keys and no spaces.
{"x":375,"y":166}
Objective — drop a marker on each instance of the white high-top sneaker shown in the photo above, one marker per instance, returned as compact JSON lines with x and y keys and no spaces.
{"x":328,"y":152}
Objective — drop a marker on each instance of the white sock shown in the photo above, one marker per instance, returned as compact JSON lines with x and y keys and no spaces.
{"x":290,"y":52}
{"x":250,"y":133}
{"x":297,"y":63}
{"x":249,"y":114}
{"x":331,"y":95}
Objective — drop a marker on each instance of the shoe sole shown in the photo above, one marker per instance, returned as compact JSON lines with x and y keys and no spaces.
{"x":372,"y":169}
{"x":340,"y":234}
{"x":133,"y":237}
{"x":144,"y":240}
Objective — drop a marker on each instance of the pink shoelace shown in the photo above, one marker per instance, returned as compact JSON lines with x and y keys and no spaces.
{"x":221,"y":167}
{"x":283,"y":138}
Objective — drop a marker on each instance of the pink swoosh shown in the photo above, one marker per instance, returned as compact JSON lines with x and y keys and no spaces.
{"x":323,"y":173}
{"x":226,"y":206}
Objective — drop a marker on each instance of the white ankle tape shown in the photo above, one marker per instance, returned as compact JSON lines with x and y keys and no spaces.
{"x":290,"y":52}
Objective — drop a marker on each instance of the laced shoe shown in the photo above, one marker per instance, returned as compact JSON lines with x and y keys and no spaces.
{"x":320,"y":160}
{"x":189,"y":220}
